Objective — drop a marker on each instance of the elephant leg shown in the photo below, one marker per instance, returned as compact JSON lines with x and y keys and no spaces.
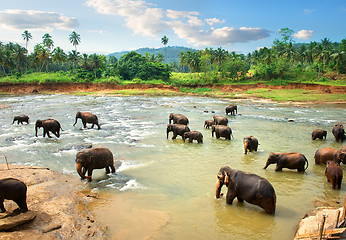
{"x":92,"y":126}
{"x":113,"y":168}
{"x":217,"y":135}
{"x":90,"y":172}
{"x":107,"y":170}
{"x":98,"y":126}
{"x":278,"y":168}
{"x":174,"y":135}
{"x":56,"y":134}
{"x":48,"y":134}
{"x":240,"y":199}
{"x":84,"y":170}
{"x":339,"y":183}
{"x":230,"y":196}
{"x":2,"y":208}
{"x":84,"y":124}
{"x":190,"y":140}
{"x":22,"y":205}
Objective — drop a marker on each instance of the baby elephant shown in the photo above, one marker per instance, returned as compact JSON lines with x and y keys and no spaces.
{"x":13,"y":189}
{"x":193,"y":135}
{"x":334,"y":174}
{"x":287,"y":160}
{"x":319,"y":133}
{"x":250,"y":143}
{"x":20,"y":119}
{"x":208,"y":123}
{"x":94,"y":158}
{"x":87,"y":118}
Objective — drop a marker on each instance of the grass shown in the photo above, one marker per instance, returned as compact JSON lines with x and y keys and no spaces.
{"x":299,"y":95}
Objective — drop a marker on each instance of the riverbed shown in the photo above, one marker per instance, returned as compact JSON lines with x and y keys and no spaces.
{"x":164,"y":188}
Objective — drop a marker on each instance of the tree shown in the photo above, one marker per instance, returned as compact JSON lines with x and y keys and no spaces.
{"x":74,"y":39}
{"x":164,"y":41}
{"x":73,"y":56}
{"x":47,"y":41}
{"x":26,"y":36}
{"x":59,"y":56}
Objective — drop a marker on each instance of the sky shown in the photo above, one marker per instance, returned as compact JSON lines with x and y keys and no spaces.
{"x":107,"y":26}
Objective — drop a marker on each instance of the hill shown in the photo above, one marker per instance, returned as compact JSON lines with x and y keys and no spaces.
{"x":171,"y":55}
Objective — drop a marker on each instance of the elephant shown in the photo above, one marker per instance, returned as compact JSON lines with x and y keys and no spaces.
{"x":48,"y":125}
{"x":177,"y":129}
{"x":319,"y":133}
{"x":232,"y":109}
{"x":246,"y":186}
{"x":13,"y":189}
{"x":94,"y":158}
{"x":331,"y":154}
{"x":287,"y":160}
{"x":208,"y":123}
{"x":250,"y":143}
{"x":338,"y":132}
{"x":178,"y":119}
{"x":87,"y":118}
{"x":221,"y":131}
{"x":220,"y":120}
{"x":193,"y":135}
{"x":21,"y":118}
{"x":334,"y":174}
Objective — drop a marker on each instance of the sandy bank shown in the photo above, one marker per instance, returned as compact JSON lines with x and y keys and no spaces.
{"x":60,"y":203}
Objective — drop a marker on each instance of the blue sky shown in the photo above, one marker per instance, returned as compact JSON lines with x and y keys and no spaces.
{"x":108,"y":26}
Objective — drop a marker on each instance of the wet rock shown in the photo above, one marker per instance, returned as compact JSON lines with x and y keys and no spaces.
{"x":10,"y":222}
{"x":290,"y":120}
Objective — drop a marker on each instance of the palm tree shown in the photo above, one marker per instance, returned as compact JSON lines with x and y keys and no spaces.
{"x":74,"y":39}
{"x":73,"y":56}
{"x":59,"y":56}
{"x":96,"y":62}
{"x":47,"y":41}
{"x":26,"y":36}
{"x":84,"y":61}
{"x":164,"y":41}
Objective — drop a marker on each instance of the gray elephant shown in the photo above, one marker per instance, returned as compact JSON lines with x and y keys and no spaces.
{"x":319,"y":133}
{"x":221,"y":131}
{"x":178,"y":119}
{"x":21,"y":118}
{"x":250,"y":144}
{"x":329,"y":154}
{"x":193,"y":135}
{"x":48,"y":125}
{"x":208,"y":123}
{"x":246,"y":186}
{"x":220,"y":120}
{"x":338,"y":132}
{"x":13,"y":189}
{"x":232,"y":109}
{"x":87,"y":118}
{"x":287,"y":160}
{"x":177,"y":129}
{"x":94,"y":158}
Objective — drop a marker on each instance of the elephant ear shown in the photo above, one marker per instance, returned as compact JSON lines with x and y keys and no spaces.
{"x":227,"y":178}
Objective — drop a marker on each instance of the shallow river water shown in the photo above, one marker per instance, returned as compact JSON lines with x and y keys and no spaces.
{"x":164,"y":188}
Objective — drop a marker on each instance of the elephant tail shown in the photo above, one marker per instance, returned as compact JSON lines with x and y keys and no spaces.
{"x":307,"y":163}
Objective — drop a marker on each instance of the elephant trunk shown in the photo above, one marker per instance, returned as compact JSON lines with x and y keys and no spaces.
{"x":212,"y":133}
{"x":36,"y":130}
{"x":167,"y":134}
{"x":75,"y":121}
{"x":246,"y":147}
{"x":267,"y":164}
{"x":218,"y":189}
{"x":79,"y":170}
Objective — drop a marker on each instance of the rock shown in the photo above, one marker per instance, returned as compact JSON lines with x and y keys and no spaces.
{"x":51,"y":227}
{"x":11,"y":222}
{"x":290,"y":120}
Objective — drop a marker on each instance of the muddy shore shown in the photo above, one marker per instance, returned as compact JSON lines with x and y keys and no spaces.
{"x":90,"y":87}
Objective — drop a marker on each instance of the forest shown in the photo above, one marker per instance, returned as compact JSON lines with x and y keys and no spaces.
{"x":284,"y":61}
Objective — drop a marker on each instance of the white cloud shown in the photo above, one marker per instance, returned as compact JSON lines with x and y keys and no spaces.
{"x":146,"y":19}
{"x":304,"y":34}
{"x":35,"y":20}
{"x":308,"y":11}
{"x":214,"y":21}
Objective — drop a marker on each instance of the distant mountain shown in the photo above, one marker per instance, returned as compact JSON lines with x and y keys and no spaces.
{"x":171,"y":55}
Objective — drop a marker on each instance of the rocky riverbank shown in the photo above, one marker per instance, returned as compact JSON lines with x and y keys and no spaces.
{"x":60,"y":203}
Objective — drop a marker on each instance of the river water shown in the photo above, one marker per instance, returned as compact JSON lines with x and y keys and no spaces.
{"x":164,"y":188}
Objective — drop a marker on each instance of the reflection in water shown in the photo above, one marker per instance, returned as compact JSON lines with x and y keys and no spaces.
{"x":171,"y":181}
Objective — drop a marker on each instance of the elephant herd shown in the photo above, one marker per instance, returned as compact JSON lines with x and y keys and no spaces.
{"x":251,"y":187}
{"x":244,"y":186}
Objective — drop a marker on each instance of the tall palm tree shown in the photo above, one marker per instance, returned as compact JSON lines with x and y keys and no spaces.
{"x":96,"y":62}
{"x":26,"y":36}
{"x":59,"y":56}
{"x":47,"y":41}
{"x":164,"y":41}
{"x":74,"y":39}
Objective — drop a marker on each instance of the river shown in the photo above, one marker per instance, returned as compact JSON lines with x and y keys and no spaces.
{"x":164,"y":188}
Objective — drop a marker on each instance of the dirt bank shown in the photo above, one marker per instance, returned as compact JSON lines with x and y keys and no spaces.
{"x":59,"y":202}
{"x":89,"y":87}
